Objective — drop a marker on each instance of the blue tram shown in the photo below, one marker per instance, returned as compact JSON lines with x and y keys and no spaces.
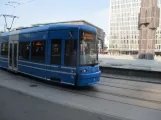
{"x":63,"y":53}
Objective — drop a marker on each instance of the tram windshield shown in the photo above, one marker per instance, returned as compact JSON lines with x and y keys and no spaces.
{"x":88,"y":49}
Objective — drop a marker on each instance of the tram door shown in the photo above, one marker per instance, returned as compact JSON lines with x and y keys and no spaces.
{"x":13,"y":55}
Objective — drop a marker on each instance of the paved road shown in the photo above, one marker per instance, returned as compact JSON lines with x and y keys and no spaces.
{"x":113,"y":99}
{"x":18,"y":106}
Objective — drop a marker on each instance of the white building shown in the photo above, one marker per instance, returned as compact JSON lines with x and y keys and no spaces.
{"x":124,"y":33}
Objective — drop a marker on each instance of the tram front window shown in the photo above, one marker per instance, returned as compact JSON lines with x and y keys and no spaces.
{"x":88,"y":49}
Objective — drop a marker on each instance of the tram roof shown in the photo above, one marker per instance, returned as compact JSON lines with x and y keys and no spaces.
{"x":49,"y":27}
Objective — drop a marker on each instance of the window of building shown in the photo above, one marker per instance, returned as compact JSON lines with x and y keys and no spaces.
{"x":38,"y":51}
{"x":4,"y":49}
{"x":70,"y":53}
{"x":132,"y":42}
{"x":56,"y":51}
{"x":24,"y":48}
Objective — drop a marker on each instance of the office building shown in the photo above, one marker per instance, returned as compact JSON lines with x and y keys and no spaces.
{"x":124,"y":33}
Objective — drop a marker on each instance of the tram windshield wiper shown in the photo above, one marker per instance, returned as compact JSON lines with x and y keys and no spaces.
{"x":71,"y":36}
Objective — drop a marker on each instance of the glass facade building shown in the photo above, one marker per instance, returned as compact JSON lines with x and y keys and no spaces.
{"x":124,"y":33}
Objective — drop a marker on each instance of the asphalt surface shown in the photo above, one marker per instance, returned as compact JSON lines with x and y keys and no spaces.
{"x":18,"y":106}
{"x":23,"y":98}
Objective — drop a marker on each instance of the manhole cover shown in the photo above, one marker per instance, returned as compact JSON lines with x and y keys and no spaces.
{"x":33,"y":85}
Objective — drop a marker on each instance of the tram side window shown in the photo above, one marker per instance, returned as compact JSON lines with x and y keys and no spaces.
{"x":38,"y":51}
{"x":70,"y":53}
{"x":56,"y":51}
{"x":4,"y":49}
{"x":24,"y":48}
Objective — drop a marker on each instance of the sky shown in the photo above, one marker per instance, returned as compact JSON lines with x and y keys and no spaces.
{"x":42,"y":11}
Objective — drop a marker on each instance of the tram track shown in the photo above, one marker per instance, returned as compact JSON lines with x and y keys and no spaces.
{"x":126,"y":88}
{"x":92,"y":92}
{"x":126,"y":96}
{"x":130,"y":80}
{"x":129,"y":86}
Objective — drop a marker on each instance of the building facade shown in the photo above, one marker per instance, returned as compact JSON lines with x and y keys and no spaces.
{"x":124,"y":33}
{"x":100,"y":32}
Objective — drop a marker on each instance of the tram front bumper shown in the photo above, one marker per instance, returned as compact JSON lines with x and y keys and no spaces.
{"x":89,"y":79}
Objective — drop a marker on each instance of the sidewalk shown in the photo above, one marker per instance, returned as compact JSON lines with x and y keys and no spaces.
{"x":129,"y":62}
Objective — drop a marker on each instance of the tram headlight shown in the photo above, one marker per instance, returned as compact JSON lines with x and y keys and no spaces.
{"x":83,"y":71}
